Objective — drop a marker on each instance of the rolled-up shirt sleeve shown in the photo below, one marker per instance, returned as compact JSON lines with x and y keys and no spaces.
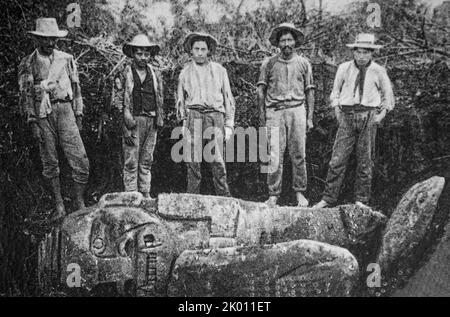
{"x":229,"y":102}
{"x":263,"y":80}
{"x":387,"y":93}
{"x":337,"y":87}
{"x":77,"y":102}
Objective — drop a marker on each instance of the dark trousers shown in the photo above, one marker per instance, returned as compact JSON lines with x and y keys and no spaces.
{"x":355,"y":128}
{"x":197,"y":123}
{"x":138,"y":159}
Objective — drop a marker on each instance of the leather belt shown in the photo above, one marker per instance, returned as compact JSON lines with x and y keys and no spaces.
{"x":201,"y":109}
{"x":356,"y":108}
{"x":59,"y":101}
{"x":282,"y":106}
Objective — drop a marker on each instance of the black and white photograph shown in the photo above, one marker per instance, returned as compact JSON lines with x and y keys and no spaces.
{"x":246,"y":150}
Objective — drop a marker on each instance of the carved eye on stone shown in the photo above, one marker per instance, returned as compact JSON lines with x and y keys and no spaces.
{"x":98,"y":244}
{"x":149,"y":239}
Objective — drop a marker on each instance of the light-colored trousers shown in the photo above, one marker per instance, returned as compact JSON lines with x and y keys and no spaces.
{"x":60,"y":127}
{"x":290,"y":125}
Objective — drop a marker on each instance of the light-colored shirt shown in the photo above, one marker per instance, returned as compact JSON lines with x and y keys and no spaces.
{"x":43,"y":64}
{"x":377,"y":87}
{"x":287,"y":80}
{"x":60,"y":72}
{"x":206,"y":86}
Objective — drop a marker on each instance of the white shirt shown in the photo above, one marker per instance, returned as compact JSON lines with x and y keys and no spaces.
{"x":377,"y":87}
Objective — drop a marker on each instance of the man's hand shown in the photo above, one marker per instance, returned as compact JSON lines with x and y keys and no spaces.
{"x":181,"y":112}
{"x":228,"y":133}
{"x":47,"y":86}
{"x":261,"y":97}
{"x":186,"y":133}
{"x":180,"y":116}
{"x":79,"y":120}
{"x":159,"y":122}
{"x":129,"y":137}
{"x":309,"y":125}
{"x":338,"y":113}
{"x":128,"y":119}
{"x":379,"y":117}
{"x":36,"y":131}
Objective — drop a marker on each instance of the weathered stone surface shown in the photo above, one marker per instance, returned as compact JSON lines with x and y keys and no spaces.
{"x":127,"y":238}
{"x":48,"y":265}
{"x":255,"y":223}
{"x":218,"y":242}
{"x":409,"y":222}
{"x":194,"y":245}
{"x":91,"y":244}
{"x":432,"y":279}
{"x":296,"y":268}
{"x":122,"y":239}
{"x":223,"y":211}
{"x":154,"y":251}
{"x":122,"y":199}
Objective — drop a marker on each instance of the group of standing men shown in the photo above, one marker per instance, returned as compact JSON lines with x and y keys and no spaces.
{"x":52,"y":103}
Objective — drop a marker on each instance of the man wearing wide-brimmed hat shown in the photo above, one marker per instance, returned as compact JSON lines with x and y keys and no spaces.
{"x":205,"y":103}
{"x":361,"y":96}
{"x":52,"y":103}
{"x":285,"y":90}
{"x":142,"y":113}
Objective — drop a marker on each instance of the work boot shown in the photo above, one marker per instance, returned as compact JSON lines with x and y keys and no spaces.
{"x":272,"y":201}
{"x":60,"y":211}
{"x":321,"y":204}
{"x":79,"y":195}
{"x":301,"y":200}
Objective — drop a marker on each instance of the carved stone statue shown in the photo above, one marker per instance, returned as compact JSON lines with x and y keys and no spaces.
{"x":194,"y":245}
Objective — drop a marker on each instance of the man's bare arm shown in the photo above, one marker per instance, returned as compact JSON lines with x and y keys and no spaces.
{"x":261,"y":95}
{"x":310,"y":100}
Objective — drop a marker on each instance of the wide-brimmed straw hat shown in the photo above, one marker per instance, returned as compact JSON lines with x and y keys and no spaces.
{"x":298,"y":35}
{"x":365,"y":40}
{"x":142,"y":41}
{"x":47,"y":27}
{"x":189,"y":40}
